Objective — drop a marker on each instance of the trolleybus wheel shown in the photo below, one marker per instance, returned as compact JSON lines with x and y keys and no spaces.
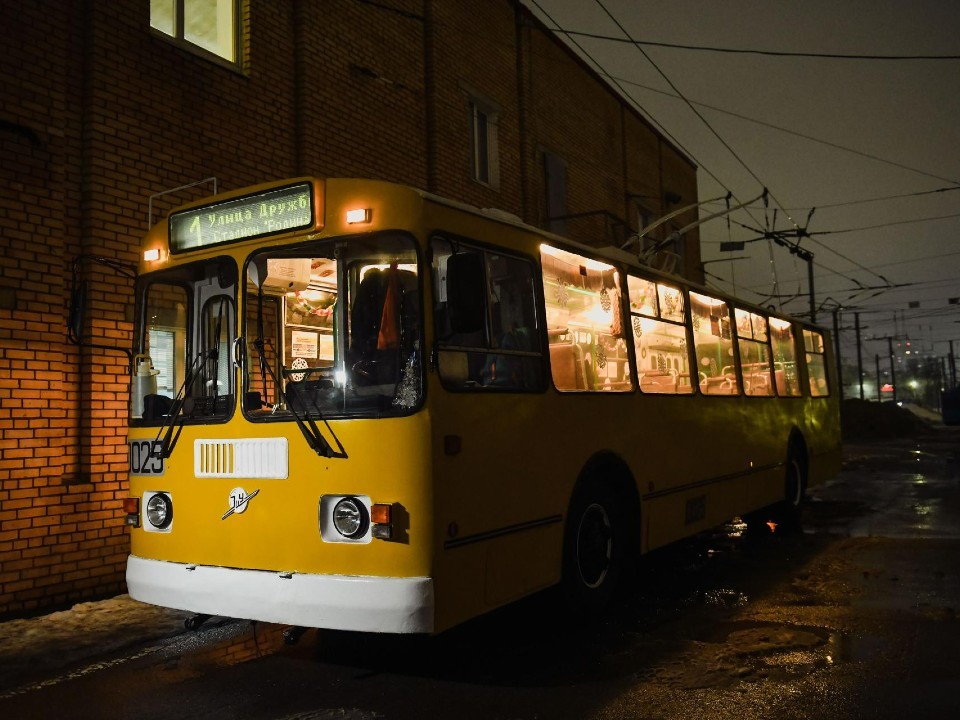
{"x":788,"y":513}
{"x":784,"y":516}
{"x":594,"y":547}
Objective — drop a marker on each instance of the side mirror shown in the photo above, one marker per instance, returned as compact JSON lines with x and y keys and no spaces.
{"x":257,"y":271}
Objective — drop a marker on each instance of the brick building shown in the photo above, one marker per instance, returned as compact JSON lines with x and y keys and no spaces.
{"x":107,"y":103}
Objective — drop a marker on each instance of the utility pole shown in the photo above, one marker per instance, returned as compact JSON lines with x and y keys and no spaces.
{"x":893,"y":370}
{"x":808,"y":256}
{"x":879,"y":382}
{"x":953,"y":367}
{"x":836,"y":344}
{"x":856,"y":325}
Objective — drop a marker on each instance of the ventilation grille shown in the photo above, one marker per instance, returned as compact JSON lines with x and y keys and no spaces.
{"x":261,"y":458}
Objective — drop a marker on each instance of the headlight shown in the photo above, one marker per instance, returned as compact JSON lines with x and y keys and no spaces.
{"x":350,"y":517}
{"x":160,"y":511}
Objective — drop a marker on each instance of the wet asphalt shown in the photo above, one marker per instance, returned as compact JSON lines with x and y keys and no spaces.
{"x":855,"y":617}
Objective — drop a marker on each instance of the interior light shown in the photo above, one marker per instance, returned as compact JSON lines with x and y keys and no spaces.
{"x":151,"y":255}
{"x":359,"y":215}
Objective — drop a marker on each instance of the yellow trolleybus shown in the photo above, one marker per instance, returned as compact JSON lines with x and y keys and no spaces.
{"x":360,"y":406}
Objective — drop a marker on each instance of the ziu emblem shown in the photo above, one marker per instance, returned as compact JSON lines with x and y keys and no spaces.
{"x":238,"y":501}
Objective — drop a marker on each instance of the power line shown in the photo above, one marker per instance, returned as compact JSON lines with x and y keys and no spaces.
{"x":693,"y":109}
{"x":871,"y":200}
{"x":885,"y":225}
{"x":752,"y":51}
{"x":801,"y":135}
{"x":627,"y":96}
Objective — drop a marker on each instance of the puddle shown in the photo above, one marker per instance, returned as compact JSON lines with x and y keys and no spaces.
{"x":726,"y":654}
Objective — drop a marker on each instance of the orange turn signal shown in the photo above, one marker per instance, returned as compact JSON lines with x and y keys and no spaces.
{"x":380,"y":514}
{"x":131,"y":505}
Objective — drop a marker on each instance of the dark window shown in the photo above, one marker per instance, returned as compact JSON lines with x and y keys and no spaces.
{"x":488,"y":336}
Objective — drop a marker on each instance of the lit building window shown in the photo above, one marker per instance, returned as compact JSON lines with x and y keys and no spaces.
{"x":207,"y":25}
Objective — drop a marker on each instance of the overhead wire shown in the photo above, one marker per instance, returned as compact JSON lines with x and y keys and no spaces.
{"x":627,"y":95}
{"x":801,"y":232}
{"x":752,"y":51}
{"x":886,"y":225}
{"x":693,"y":109}
{"x":801,"y":135}
{"x":557,"y":28}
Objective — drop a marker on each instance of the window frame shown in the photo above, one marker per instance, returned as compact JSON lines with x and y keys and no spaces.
{"x":484,"y":142}
{"x":658,"y":316}
{"x":343,"y":315}
{"x":625,"y":336}
{"x":752,"y":340}
{"x":806,"y":388}
{"x":774,"y":345}
{"x":179,"y":40}
{"x":719,"y":301}
{"x":538,"y":308}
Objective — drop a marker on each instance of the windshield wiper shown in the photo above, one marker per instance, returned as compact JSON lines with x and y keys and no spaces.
{"x":162,"y":449}
{"x":311,"y":433}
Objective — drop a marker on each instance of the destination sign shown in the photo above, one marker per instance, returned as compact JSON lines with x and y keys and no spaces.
{"x":266,"y":213}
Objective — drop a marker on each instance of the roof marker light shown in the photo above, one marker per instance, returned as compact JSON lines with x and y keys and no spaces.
{"x":359,"y":215}
{"x":151,"y":255}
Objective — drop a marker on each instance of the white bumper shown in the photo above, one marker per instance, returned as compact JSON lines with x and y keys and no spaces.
{"x":367,"y":604}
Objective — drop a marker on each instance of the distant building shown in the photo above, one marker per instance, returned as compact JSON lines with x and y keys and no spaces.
{"x":106,"y":104}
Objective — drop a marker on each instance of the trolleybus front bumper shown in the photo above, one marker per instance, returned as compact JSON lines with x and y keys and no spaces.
{"x":363,"y":603}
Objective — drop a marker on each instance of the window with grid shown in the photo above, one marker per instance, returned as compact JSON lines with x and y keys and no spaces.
{"x":754,"y":349}
{"x":816,"y":363}
{"x":659,"y":337}
{"x":209,"y":27}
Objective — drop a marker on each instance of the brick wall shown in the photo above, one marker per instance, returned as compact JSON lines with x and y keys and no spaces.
{"x":100,"y":113}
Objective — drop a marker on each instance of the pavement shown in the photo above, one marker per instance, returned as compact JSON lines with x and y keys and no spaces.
{"x":38,"y":647}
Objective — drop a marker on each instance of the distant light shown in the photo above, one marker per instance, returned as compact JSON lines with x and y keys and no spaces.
{"x":151,"y":255}
{"x":359,"y":215}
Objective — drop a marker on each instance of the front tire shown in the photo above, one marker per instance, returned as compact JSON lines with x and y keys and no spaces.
{"x":785,"y":516}
{"x":789,"y":512}
{"x":594,"y":548}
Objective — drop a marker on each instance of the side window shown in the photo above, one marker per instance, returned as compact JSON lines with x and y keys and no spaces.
{"x":486,"y":319}
{"x":588,"y":350}
{"x":216,"y":330}
{"x":659,"y":337}
{"x":166,"y":343}
{"x":713,"y":341}
{"x":816,"y":363}
{"x":752,"y":344}
{"x":784,"y":358}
